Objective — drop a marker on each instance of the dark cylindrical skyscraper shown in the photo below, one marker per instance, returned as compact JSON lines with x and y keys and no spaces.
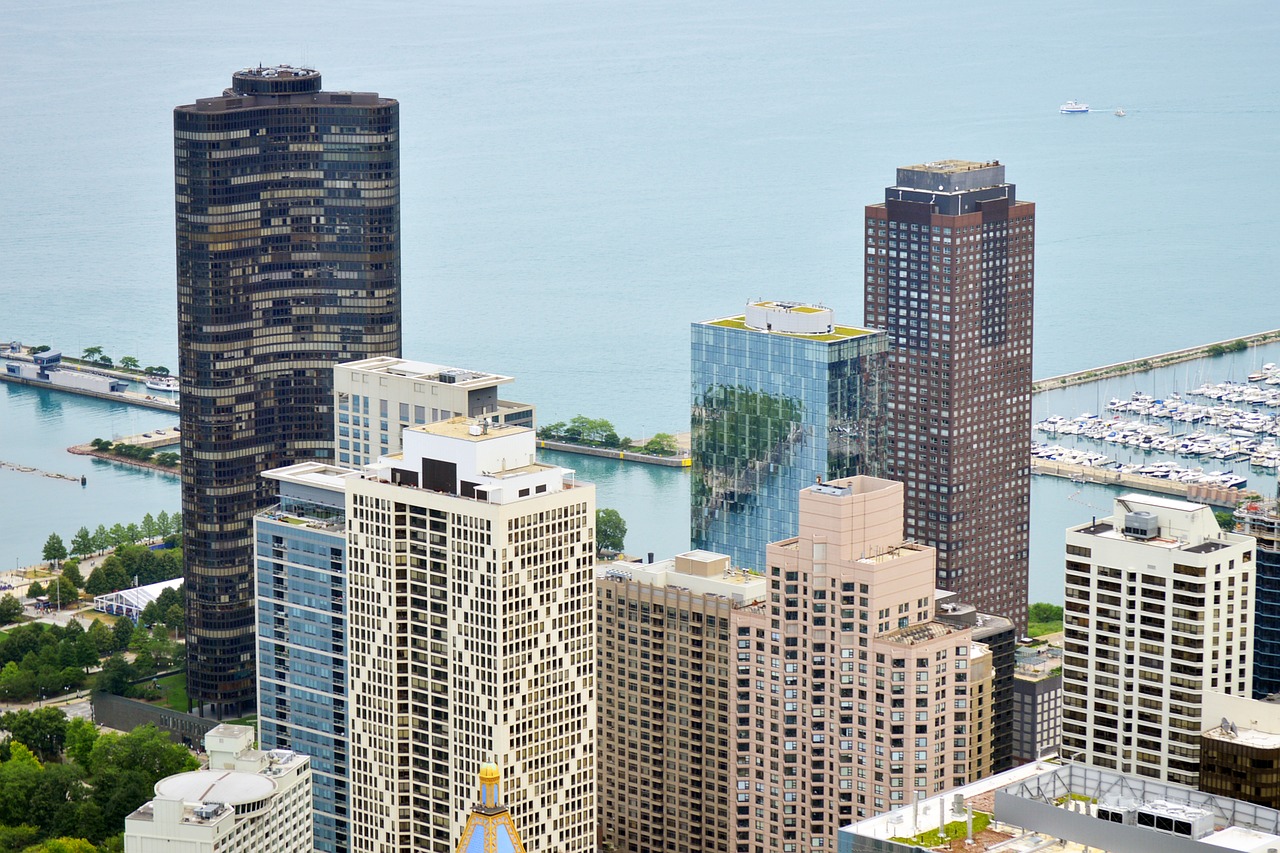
{"x":288,"y":249}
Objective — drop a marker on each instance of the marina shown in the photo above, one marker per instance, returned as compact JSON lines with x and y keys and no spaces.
{"x":20,"y":366}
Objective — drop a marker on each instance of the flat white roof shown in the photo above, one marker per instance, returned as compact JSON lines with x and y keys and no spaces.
{"x":1240,"y":838}
{"x":1164,"y":503}
{"x":216,"y":786}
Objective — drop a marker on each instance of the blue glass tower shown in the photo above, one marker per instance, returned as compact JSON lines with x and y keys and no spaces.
{"x":1261,"y":520}
{"x":781,"y":396}
{"x":300,"y":561}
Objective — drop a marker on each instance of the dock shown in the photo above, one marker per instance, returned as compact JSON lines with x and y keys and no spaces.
{"x":1194,"y":492}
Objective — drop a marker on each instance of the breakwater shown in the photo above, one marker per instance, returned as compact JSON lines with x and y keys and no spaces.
{"x":1165,"y":359}
{"x":614,"y":453}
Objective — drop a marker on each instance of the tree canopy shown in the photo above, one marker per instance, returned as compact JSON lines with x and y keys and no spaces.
{"x":611,"y":530}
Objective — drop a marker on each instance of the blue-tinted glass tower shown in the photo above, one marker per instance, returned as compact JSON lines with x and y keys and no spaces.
{"x":303,"y":701}
{"x":781,"y":396}
{"x":1261,"y":520}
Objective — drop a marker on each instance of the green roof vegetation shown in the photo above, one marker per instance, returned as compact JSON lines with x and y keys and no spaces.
{"x":841,"y":333}
{"x":955,"y":829}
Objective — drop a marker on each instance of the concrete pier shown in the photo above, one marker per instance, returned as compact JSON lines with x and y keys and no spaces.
{"x":1211,"y":495}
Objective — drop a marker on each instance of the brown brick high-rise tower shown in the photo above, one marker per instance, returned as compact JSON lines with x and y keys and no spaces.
{"x":949,"y":270}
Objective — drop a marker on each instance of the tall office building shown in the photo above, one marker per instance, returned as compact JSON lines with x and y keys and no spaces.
{"x":471,"y":599}
{"x":782,"y":396}
{"x":288,"y":254}
{"x":1159,"y":611}
{"x":950,"y":258}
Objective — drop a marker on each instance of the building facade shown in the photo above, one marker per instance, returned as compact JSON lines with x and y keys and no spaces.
{"x":304,"y":700}
{"x":1261,"y":520}
{"x":950,"y":257}
{"x":1037,"y":704}
{"x":379,"y":398}
{"x":666,"y":634}
{"x":246,"y":799}
{"x":850,"y":696}
{"x":1240,"y":748}
{"x":471,"y":607}
{"x":288,"y":257}
{"x":781,"y":396}
{"x":1159,"y":609}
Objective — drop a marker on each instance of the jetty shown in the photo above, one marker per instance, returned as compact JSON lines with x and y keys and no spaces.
{"x":1195,"y":492}
{"x":1164,"y":359}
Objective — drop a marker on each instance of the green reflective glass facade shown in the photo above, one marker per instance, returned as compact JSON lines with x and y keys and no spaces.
{"x":288,"y":257}
{"x":770,"y":413}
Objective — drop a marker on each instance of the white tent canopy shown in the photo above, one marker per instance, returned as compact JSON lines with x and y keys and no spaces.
{"x":131,"y":602}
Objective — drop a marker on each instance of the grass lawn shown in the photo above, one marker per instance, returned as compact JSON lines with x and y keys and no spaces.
{"x":1039,"y":629}
{"x":172,"y":694}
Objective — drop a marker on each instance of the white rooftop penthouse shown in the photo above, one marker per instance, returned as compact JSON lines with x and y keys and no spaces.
{"x":472,"y":458}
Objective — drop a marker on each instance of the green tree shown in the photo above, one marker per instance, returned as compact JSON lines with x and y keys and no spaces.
{"x":63,"y":845}
{"x":102,"y":638}
{"x":16,"y":684}
{"x":611,"y":530}
{"x":104,"y":360}
{"x":149,"y":528}
{"x":71,"y":572}
{"x":101,"y":538}
{"x":39,"y":349}
{"x":80,"y":738}
{"x":118,"y":535}
{"x":662,"y":444}
{"x":1226,"y":520}
{"x":158,"y":370}
{"x":10,"y":609}
{"x":43,"y":731}
{"x":175,"y":619}
{"x":92,"y":353}
{"x":128,"y":362}
{"x":1044,"y":612}
{"x":20,"y":837}
{"x":82,"y":543}
{"x":116,"y":676}
{"x":54,"y":550}
{"x":35,"y":590}
{"x":62,"y":592}
{"x":163,"y":525}
{"x":132,"y":532}
{"x":97,"y":584}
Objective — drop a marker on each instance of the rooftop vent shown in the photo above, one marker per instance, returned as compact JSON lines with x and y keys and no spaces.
{"x":1141,"y":525}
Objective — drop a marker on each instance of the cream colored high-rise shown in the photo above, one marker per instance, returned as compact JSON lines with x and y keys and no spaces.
{"x":1159,"y":610}
{"x":472,"y":606}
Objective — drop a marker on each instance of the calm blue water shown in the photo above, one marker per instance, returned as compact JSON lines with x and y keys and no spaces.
{"x":581,"y":180}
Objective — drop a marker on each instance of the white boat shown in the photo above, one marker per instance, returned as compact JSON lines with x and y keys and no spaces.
{"x":1120,"y":112}
{"x":162,"y":383}
{"x":1072,"y":107}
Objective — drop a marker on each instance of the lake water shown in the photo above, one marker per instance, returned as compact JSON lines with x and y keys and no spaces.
{"x":584,"y":179}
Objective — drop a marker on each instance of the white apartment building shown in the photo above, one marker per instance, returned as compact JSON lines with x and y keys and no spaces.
{"x":471,"y":639}
{"x":245,"y":801}
{"x":1159,"y":606}
{"x":376,"y":399}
